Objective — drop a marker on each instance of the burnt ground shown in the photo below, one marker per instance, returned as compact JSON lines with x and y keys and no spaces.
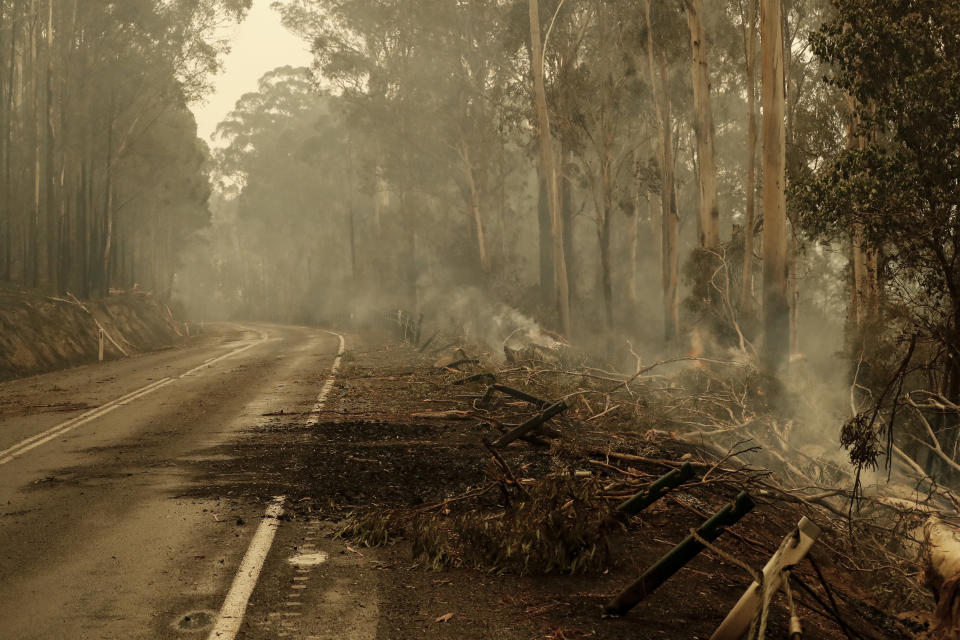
{"x":368,"y":456}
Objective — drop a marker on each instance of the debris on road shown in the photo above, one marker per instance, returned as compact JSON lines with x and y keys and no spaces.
{"x":541,"y":529}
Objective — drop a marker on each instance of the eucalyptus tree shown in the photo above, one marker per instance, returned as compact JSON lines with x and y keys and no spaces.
{"x":600,"y":112}
{"x":658,"y":25}
{"x":548,"y":167}
{"x":84,"y":86}
{"x":422,"y":83}
{"x":709,"y":236}
{"x":776,"y":306}
{"x":283,"y":209}
{"x":901,"y":183}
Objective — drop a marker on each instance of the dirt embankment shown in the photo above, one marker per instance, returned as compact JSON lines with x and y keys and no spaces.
{"x":40,"y":333}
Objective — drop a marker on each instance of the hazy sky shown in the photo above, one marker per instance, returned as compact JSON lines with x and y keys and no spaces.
{"x":259,"y":45}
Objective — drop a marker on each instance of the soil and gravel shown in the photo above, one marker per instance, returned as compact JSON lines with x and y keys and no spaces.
{"x":39,"y":333}
{"x":367,"y":459}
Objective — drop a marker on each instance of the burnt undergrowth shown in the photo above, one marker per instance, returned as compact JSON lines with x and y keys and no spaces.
{"x":403,"y":461}
{"x":335,"y":468}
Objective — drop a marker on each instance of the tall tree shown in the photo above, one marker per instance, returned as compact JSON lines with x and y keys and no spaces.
{"x":669,"y":218}
{"x":548,"y":162}
{"x":749,"y":19}
{"x":85,"y":88}
{"x":776,"y":307}
{"x":896,"y":184}
{"x":706,"y":155}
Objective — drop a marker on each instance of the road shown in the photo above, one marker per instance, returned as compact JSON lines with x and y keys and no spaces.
{"x":100,"y":537}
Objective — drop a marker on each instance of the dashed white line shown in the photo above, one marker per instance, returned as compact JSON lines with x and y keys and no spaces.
{"x":235,"y":605}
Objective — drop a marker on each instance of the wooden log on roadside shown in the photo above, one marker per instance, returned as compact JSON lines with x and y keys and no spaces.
{"x":449,"y":414}
{"x":940,"y":555}
{"x":531,"y":425}
{"x":539,"y":403}
{"x":510,"y":391}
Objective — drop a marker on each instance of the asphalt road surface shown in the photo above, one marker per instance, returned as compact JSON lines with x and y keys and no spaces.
{"x":98,"y":537}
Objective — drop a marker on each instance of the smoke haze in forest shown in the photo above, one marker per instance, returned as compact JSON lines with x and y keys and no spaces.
{"x":722,"y":180}
{"x":257,"y":45}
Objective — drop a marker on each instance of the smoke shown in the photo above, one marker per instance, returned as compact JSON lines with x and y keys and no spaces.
{"x":483,"y":320}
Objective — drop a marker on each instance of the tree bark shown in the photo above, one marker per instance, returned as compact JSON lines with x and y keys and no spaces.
{"x":6,"y":204}
{"x":606,"y":263}
{"x":634,"y":233}
{"x":863,"y":257}
{"x":709,"y":237}
{"x":351,"y":214}
{"x":750,"y":183}
{"x":566,"y":215}
{"x":52,"y":225}
{"x":669,"y":221}
{"x":475,"y":209}
{"x":33,"y":235}
{"x":549,"y":169}
{"x":776,"y":308}
{"x":547,"y":279}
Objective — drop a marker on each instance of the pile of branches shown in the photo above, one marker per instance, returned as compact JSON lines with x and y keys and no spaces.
{"x":737,"y":424}
{"x":561,"y":525}
{"x":550,"y":505}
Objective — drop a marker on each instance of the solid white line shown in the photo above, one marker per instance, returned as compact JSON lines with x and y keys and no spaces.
{"x":34,"y":441}
{"x":328,"y":385}
{"x":235,"y":605}
{"x":263,"y":338}
{"x":82,"y":416}
{"x":231,"y":615}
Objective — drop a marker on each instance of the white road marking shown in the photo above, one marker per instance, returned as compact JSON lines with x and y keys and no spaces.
{"x":25,"y":445}
{"x":308,"y":559}
{"x":235,"y":605}
{"x":328,"y":385}
{"x":212,"y":361}
{"x":231,"y":615}
{"x":35,"y":441}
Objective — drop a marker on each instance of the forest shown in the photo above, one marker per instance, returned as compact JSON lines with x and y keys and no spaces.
{"x":525,"y":294}
{"x":776,"y":180}
{"x":103,"y":178}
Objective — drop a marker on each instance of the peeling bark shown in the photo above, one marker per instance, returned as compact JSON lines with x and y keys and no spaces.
{"x":549,"y":169}
{"x":776,"y":308}
{"x":709,"y":237}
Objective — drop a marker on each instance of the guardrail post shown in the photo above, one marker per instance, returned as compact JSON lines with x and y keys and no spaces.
{"x":660,"y":487}
{"x":679,"y":556}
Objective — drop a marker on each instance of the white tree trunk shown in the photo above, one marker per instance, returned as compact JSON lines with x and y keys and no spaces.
{"x":706,"y":156}
{"x":776,"y":308}
{"x":750,"y":183}
{"x":669,"y":220}
{"x":549,"y":169}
